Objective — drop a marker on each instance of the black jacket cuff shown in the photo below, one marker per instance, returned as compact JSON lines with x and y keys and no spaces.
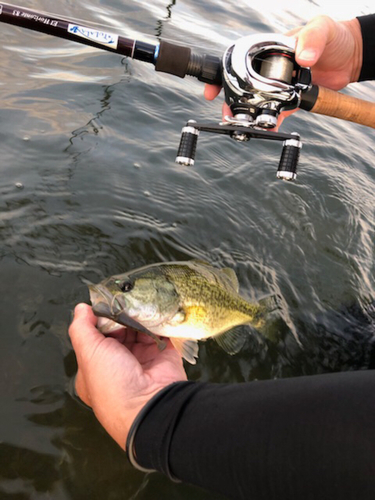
{"x":368,"y":35}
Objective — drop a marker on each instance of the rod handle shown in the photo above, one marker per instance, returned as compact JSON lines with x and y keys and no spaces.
{"x":331,"y":103}
{"x":180,"y":61}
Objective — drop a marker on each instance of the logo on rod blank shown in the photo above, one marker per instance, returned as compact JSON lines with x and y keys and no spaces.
{"x":101,"y":37}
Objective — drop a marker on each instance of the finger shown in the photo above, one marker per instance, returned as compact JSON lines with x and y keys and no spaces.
{"x":294,"y":31}
{"x":226,"y":111}
{"x":122,"y":334}
{"x":211,"y":91}
{"x":82,"y":330}
{"x":282,"y":117}
{"x":312,"y":40}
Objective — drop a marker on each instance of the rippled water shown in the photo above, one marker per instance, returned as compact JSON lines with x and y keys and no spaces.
{"x":89,"y":188}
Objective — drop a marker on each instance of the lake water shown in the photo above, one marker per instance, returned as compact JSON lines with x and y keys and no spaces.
{"x":89,"y":188}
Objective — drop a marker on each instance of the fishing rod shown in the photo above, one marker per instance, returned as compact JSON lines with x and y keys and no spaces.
{"x":259,"y":74}
{"x":166,"y":57}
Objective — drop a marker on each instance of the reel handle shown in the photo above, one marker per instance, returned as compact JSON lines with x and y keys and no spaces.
{"x":332,"y":103}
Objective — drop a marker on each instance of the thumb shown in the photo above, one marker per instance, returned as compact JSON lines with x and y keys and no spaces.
{"x":82,"y":330}
{"x":84,"y":311}
{"x":312,"y":40}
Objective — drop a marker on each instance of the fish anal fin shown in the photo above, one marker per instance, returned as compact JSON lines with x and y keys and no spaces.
{"x":233,"y":340}
{"x":187,"y":348}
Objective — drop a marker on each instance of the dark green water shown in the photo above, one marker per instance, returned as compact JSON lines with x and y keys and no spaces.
{"x":89,"y":188}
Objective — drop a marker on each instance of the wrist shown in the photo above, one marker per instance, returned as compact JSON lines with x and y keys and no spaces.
{"x":354,"y":28}
{"x":117,"y":417}
{"x":133,"y":410}
{"x":129,"y":443}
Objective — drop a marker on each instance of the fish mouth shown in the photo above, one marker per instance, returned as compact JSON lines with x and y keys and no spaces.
{"x":103,"y":300}
{"x":105,"y":305}
{"x":99,"y":294}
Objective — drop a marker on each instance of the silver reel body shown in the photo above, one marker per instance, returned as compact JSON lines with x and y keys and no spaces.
{"x":261,"y":78}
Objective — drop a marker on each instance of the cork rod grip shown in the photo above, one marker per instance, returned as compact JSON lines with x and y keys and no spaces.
{"x":332,"y":103}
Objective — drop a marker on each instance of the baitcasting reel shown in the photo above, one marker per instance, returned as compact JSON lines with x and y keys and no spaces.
{"x":261,"y":79}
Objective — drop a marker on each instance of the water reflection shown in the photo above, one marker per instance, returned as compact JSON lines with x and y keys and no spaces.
{"x":160,"y":23}
{"x":25,"y":472}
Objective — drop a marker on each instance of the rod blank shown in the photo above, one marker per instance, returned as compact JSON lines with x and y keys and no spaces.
{"x":69,"y":30}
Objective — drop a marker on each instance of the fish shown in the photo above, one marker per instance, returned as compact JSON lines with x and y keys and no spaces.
{"x":185,"y":301}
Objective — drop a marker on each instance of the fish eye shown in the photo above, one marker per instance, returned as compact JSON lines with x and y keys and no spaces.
{"x":126,"y":286}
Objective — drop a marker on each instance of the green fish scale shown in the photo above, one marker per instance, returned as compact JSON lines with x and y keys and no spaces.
{"x":204,"y":287}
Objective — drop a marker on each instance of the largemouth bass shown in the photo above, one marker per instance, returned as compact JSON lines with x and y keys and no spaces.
{"x":184,"y":301}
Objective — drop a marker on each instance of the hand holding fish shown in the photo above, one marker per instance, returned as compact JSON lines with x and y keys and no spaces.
{"x":118,"y":376}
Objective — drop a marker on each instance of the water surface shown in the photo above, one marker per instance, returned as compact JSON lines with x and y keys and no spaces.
{"x":89,"y":188}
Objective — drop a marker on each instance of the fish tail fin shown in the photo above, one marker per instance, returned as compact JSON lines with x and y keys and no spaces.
{"x":269,"y":309}
{"x":270,"y":304}
{"x":275,"y":322}
{"x":187,"y":348}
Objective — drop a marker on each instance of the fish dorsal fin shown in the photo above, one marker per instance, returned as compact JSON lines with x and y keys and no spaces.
{"x":233,"y":340}
{"x":201,"y":262}
{"x":231,"y":278}
{"x":187,"y":348}
{"x":226,"y":276}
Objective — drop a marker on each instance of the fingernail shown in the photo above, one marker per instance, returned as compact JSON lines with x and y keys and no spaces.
{"x":307,"y":55}
{"x":80,"y":308}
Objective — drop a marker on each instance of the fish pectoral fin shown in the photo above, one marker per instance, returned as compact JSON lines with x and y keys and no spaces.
{"x":233,"y":340}
{"x":270,"y":313}
{"x":187,"y":348}
{"x":178,"y":318}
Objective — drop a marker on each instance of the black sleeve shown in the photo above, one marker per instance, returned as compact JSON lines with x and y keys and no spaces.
{"x":368,"y":35}
{"x":310,"y":438}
